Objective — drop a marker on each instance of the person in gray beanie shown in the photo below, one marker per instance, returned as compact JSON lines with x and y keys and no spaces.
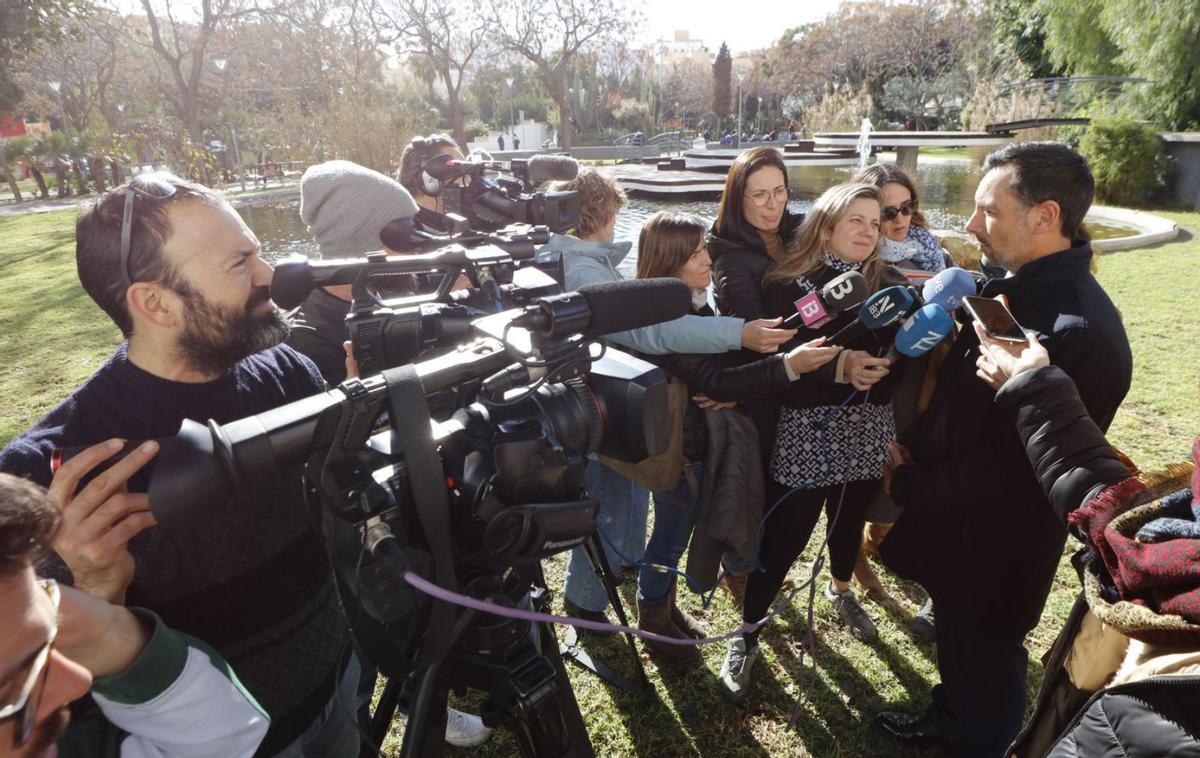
{"x":344,"y":205}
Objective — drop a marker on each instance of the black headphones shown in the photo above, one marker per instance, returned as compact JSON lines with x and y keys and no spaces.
{"x":423,"y":152}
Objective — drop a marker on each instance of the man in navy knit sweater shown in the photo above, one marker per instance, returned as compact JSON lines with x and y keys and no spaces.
{"x":181,"y":277}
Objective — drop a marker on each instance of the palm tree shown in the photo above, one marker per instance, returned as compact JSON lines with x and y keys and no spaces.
{"x":34,"y":157}
{"x":14,"y":150}
{"x":51,"y":147}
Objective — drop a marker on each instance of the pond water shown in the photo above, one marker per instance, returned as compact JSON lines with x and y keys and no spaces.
{"x":947,"y":199}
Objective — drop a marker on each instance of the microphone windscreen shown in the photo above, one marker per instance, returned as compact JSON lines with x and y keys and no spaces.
{"x":292,"y":282}
{"x":845,"y":291}
{"x":442,"y":167}
{"x":620,"y":306}
{"x":552,"y":168}
{"x":948,"y":288}
{"x":885,"y":307}
{"x":923,"y":330}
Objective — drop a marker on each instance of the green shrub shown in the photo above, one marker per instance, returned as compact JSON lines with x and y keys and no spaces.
{"x":475,"y":128}
{"x":1127,"y":160}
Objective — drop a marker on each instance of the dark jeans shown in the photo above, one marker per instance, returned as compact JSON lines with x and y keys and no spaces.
{"x":786,"y":533}
{"x":980,"y":702}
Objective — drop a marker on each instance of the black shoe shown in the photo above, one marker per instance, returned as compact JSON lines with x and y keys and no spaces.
{"x":575,"y":611}
{"x":909,"y":728}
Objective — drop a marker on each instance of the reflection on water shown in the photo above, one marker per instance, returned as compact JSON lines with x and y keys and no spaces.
{"x":947,"y":199}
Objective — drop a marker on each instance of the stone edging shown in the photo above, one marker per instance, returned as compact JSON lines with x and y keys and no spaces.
{"x":1152,"y":230}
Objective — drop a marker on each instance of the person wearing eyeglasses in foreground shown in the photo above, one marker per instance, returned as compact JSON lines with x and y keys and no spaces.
{"x":178,"y":272}
{"x":159,"y":692}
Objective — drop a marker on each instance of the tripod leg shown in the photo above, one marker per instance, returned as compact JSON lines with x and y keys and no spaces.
{"x":425,"y":732}
{"x":595,"y":553}
{"x":385,"y":711}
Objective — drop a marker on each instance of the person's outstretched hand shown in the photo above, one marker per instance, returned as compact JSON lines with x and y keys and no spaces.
{"x":1000,"y":361}
{"x":761,"y":336}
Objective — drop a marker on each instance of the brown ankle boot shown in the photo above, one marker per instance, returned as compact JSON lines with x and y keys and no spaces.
{"x":657,"y":619}
{"x":866,"y":578}
{"x":735,"y":585}
{"x":682,"y":621}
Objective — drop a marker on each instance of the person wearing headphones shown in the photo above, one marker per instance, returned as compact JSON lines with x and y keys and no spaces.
{"x":425,"y":189}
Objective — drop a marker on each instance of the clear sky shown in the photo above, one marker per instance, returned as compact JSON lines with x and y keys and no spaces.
{"x":742,"y":25}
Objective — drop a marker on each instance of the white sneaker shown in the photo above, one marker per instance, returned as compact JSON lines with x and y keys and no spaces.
{"x":735,"y":671}
{"x":465,"y":729}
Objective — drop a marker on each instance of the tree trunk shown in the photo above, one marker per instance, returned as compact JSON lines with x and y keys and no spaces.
{"x":456,"y":118}
{"x":565,"y":132}
{"x":116,"y":173}
{"x":80,"y":182}
{"x":96,"y":166}
{"x":40,"y":180}
{"x":11,"y":170}
{"x":60,"y":175}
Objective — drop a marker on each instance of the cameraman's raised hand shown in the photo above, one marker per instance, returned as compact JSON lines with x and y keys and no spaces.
{"x":98,"y":522}
{"x":762,"y":336}
{"x":1000,"y":361}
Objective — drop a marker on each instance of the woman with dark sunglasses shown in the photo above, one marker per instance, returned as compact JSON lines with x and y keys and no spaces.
{"x":907,"y":242}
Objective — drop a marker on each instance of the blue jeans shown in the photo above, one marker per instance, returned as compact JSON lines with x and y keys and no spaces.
{"x":674,"y":517}
{"x":624,"y":508}
{"x":980,"y":702}
{"x":335,"y":732}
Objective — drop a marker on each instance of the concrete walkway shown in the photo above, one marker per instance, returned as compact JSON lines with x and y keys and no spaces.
{"x":287,"y":189}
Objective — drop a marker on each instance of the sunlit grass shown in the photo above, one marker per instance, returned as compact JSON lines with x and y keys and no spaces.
{"x":55,"y":337}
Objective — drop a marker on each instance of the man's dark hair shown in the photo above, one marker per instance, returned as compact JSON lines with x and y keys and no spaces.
{"x":1048,"y":171}
{"x":416,"y":154}
{"x":98,"y":245}
{"x":28,"y":518}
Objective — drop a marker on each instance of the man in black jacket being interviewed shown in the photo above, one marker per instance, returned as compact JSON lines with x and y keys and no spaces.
{"x":977,"y":531}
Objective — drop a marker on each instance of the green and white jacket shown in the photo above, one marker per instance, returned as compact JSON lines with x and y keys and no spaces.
{"x":179,"y":698}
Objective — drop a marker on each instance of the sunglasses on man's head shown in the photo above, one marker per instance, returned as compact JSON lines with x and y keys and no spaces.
{"x":907,"y":208}
{"x":151,"y":187}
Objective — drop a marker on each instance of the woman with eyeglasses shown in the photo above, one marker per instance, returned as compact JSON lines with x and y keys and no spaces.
{"x":752,"y":228}
{"x":907,"y":242}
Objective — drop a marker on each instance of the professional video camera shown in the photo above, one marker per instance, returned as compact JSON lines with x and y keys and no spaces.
{"x":471,"y":507}
{"x":489,"y":202}
{"x":424,"y":313}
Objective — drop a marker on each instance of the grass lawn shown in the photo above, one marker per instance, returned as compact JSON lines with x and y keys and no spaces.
{"x":55,"y":337}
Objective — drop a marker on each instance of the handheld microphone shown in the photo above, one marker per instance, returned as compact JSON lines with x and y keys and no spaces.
{"x":599,"y":309}
{"x":839,"y":295}
{"x":552,"y":168}
{"x":885,"y":307}
{"x":921,"y":332}
{"x":948,"y":288}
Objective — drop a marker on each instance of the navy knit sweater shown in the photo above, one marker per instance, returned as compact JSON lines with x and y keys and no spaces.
{"x":252,"y":579}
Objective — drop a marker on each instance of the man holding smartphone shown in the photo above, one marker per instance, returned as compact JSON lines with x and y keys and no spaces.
{"x":977,"y":532}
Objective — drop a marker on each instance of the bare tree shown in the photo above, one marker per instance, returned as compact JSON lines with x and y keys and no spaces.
{"x":551,"y":33}
{"x":446,"y":33}
{"x":182,"y":45}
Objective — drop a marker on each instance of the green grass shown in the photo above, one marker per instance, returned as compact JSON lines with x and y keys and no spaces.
{"x":55,"y":338}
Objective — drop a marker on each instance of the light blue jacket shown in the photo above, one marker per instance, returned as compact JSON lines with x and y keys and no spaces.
{"x":586,"y":262}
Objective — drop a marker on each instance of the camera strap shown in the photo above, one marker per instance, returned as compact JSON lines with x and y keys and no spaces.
{"x":411,"y":427}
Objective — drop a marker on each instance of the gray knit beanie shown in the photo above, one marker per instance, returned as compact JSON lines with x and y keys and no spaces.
{"x":345,"y":205}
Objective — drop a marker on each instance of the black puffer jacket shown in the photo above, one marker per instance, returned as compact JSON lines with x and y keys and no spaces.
{"x":722,"y":377}
{"x":1156,"y":716}
{"x":976,"y":530}
{"x":739,"y":266}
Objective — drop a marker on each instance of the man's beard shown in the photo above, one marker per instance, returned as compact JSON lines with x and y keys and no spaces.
{"x":47,"y":733}
{"x":214,"y":337}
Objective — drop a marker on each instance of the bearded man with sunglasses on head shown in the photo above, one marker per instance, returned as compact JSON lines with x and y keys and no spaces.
{"x":178,"y":271}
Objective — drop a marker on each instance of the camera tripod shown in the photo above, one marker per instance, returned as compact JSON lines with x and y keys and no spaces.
{"x":518,"y":664}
